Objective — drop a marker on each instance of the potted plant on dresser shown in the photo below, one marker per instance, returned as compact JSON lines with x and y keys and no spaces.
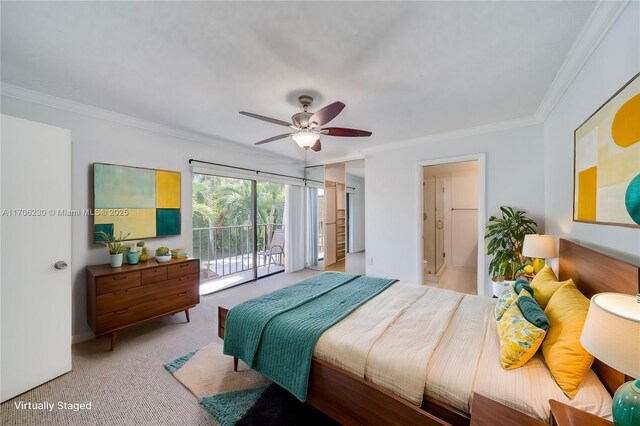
{"x":163,"y":254}
{"x":115,"y":247}
{"x":505,"y":235}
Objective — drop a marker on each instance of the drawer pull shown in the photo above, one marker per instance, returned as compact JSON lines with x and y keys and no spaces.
{"x":183,"y":294}
{"x":120,"y":277}
{"x":115,"y":293}
{"x":184,"y":264}
{"x":122,"y":311}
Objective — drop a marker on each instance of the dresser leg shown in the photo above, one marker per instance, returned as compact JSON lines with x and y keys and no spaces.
{"x":235,"y":363}
{"x":113,"y":340}
{"x":186,"y":312}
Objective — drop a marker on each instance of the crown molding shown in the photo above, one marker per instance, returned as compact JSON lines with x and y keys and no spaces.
{"x":455,"y":134}
{"x":605,"y":14}
{"x":335,"y":159}
{"x":28,"y":95}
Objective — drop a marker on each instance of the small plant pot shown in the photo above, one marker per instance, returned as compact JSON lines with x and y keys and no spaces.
{"x":163,"y":259}
{"x":116,"y":260}
{"x":133,"y":257}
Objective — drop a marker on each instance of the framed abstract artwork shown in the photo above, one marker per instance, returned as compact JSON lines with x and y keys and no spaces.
{"x":607,"y":161}
{"x":143,"y":203}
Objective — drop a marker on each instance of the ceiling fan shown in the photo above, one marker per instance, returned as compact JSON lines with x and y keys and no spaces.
{"x":308,"y":125}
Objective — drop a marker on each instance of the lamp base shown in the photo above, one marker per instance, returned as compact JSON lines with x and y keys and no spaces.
{"x":626,"y":404}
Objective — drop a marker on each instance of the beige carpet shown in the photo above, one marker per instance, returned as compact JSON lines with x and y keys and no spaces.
{"x":209,"y":372}
{"x":130,"y":385}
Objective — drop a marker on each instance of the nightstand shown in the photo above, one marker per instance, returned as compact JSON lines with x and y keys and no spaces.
{"x":566,"y":415}
{"x":487,"y":412}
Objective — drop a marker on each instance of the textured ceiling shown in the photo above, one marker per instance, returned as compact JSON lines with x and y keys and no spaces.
{"x":403,"y":69}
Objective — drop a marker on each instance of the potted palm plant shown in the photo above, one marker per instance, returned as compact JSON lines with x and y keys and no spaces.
{"x":506,"y":237}
{"x":114,"y":245}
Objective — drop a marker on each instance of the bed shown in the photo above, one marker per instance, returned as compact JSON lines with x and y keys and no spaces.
{"x":461,"y":354}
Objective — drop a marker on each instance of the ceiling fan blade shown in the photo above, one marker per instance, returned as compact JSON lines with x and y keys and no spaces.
{"x":274,"y":138}
{"x":326,"y":114}
{"x":341,"y":131}
{"x":267,"y":119}
{"x":316,"y":146}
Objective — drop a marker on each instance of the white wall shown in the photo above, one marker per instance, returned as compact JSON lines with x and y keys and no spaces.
{"x":464,"y":219}
{"x":358,"y":215}
{"x":100,"y":140}
{"x":393,"y":220}
{"x":613,"y":63}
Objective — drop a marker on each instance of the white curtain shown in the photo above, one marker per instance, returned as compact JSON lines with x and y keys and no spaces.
{"x":294,"y":219}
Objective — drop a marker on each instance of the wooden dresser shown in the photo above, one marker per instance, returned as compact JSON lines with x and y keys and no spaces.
{"x":118,"y":298}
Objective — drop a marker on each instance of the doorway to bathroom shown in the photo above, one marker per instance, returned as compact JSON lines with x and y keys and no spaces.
{"x":450,"y":225}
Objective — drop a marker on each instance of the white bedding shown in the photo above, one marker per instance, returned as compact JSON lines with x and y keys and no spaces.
{"x":423,"y":341}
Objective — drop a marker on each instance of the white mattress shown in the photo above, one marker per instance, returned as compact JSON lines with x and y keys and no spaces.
{"x":452,"y":368}
{"x":529,"y":388}
{"x":422,"y":341}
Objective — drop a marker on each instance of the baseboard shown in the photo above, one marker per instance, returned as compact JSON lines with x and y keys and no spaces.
{"x":82,"y":337}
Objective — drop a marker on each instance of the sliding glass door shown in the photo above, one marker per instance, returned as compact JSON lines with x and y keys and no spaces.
{"x":270,"y":230}
{"x":238,"y":230}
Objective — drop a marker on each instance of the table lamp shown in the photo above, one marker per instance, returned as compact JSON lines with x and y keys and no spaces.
{"x":539,"y":248}
{"x":611,"y":333}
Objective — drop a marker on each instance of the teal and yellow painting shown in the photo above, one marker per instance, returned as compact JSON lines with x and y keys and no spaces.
{"x":607,"y":161}
{"x":143,"y":203}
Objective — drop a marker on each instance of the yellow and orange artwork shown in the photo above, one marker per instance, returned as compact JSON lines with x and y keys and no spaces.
{"x":607,"y":161}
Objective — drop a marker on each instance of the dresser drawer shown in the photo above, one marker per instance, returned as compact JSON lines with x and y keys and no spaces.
{"x":181,"y":284}
{"x":154,"y":275}
{"x":182,"y":269}
{"x":118,"y":300}
{"x":176,"y":301}
{"x":117,"y":282}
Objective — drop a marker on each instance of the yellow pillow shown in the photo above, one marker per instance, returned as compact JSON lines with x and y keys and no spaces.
{"x":519,"y":339}
{"x":567,"y":360}
{"x":545,"y":284}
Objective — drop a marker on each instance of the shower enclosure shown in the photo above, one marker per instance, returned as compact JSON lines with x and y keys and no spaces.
{"x":433,"y":217}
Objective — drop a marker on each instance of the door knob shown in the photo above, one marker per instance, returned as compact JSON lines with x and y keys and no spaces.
{"x":61,"y":264}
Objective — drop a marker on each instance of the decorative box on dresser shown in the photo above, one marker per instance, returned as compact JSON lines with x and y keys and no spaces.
{"x":118,"y":298}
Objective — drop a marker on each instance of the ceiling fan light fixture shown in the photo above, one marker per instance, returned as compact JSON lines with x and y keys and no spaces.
{"x":305,"y":139}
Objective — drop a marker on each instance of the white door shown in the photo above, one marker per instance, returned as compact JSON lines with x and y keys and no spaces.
{"x":35,"y":297}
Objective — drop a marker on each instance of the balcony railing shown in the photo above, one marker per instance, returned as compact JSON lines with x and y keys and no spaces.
{"x":226,"y":250}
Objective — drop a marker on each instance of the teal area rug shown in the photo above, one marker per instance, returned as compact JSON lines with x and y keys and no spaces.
{"x":263,"y":405}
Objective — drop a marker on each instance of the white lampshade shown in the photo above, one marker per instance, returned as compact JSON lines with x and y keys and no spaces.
{"x":539,"y":246}
{"x":305,"y":138}
{"x":611,"y":331}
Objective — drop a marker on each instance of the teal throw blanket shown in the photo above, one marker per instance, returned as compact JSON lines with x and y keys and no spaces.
{"x":523,"y":283}
{"x":276,"y":334}
{"x":533,"y":312}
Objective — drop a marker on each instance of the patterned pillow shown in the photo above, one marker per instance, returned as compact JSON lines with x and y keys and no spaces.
{"x":519,"y":339}
{"x":504,"y":301}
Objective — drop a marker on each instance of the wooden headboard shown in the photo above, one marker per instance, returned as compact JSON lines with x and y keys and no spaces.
{"x":593,"y":273}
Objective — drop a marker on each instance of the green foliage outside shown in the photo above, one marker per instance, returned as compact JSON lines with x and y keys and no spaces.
{"x":225,"y":205}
